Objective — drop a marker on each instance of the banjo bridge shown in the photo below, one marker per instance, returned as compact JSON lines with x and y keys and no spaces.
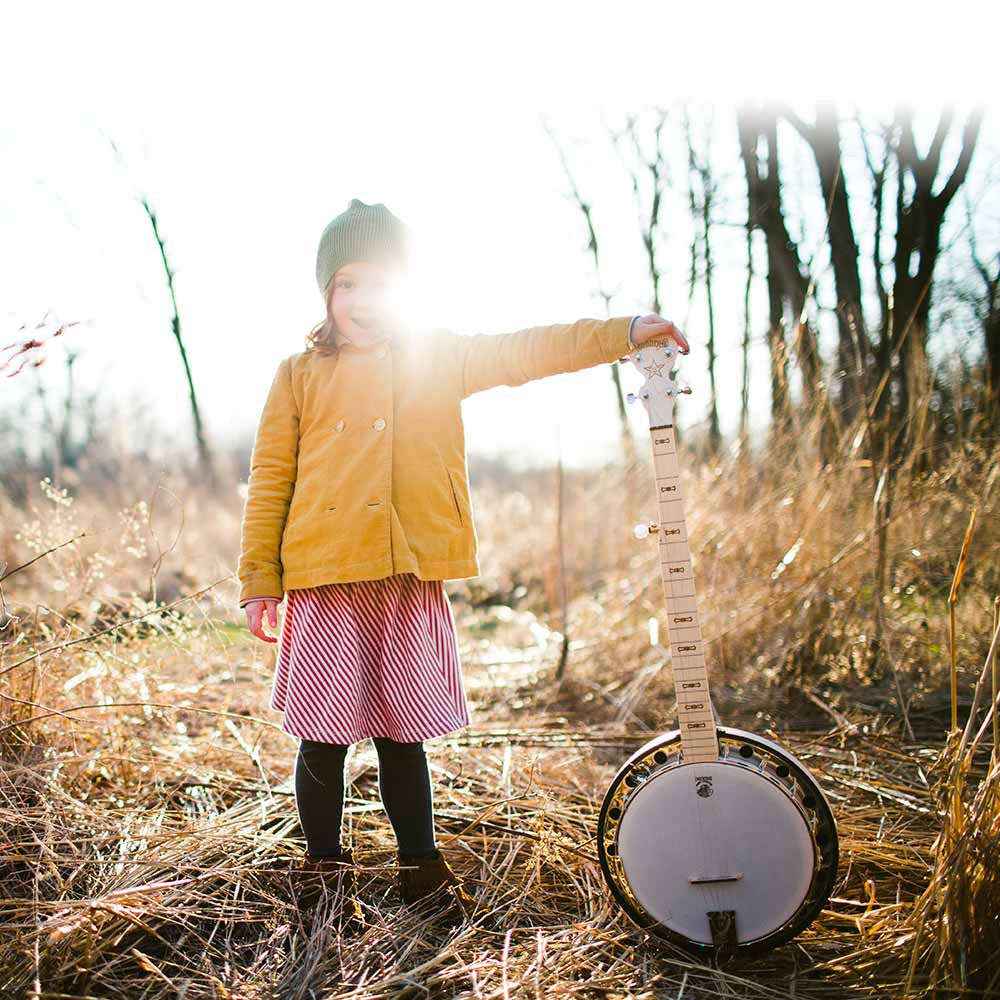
{"x":712,"y":880}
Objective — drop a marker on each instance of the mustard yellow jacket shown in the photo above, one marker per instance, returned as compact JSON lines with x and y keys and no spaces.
{"x":359,"y":468}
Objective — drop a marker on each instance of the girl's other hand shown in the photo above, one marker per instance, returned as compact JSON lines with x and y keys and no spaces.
{"x":654,"y":327}
{"x":255,"y":614}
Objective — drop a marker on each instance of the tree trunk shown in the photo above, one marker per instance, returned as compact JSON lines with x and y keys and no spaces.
{"x":918,"y":228}
{"x":701,"y":200}
{"x":824,"y":141}
{"x":204,"y":456}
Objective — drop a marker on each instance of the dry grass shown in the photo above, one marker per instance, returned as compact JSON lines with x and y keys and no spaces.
{"x":148,"y":810}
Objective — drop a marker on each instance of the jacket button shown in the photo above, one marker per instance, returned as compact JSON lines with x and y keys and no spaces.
{"x":379,"y":424}
{"x":340,"y":425}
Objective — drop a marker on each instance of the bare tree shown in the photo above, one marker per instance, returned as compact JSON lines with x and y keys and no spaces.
{"x":745,"y":351}
{"x":201,"y":443}
{"x":628,"y":445}
{"x":918,"y":222}
{"x":853,"y":344}
{"x":204,"y":456}
{"x":989,"y":312}
{"x":702,"y":189}
{"x":71,"y":425}
{"x":899,"y":354}
{"x":918,"y":234}
{"x":792,"y":282}
{"x":756,"y":129}
{"x":649,"y":178}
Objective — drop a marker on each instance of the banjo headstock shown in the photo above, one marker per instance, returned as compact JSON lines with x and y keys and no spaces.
{"x":655,"y":362}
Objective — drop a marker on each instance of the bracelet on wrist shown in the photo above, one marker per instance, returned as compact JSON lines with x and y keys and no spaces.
{"x":631,"y":343}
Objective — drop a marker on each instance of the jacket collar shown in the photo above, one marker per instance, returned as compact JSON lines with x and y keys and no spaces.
{"x":398,"y":334}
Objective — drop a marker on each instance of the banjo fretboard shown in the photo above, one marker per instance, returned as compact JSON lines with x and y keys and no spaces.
{"x":696,"y":719}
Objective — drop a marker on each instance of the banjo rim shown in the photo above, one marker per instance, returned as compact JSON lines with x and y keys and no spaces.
{"x":823,"y":827}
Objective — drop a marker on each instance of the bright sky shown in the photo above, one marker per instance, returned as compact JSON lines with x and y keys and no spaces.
{"x":249,"y":127}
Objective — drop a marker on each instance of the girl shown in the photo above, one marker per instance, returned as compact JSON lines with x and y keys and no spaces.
{"x":358,"y":509}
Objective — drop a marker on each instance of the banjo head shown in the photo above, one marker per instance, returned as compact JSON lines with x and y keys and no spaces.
{"x":733,"y":855}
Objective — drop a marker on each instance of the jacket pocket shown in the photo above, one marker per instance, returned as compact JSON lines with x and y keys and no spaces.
{"x":454,"y":497}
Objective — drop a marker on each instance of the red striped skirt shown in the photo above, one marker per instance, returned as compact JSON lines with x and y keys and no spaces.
{"x":369,"y":658}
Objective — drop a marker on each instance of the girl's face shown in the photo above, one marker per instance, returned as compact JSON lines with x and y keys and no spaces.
{"x":361,"y":302}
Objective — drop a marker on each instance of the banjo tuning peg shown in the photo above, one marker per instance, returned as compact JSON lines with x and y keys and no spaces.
{"x":643,"y":529}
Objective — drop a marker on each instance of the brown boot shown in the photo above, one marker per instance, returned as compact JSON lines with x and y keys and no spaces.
{"x":330,"y":878}
{"x":434,"y":887}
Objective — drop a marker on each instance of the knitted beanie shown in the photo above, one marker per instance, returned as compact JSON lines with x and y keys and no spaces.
{"x":363,"y":232}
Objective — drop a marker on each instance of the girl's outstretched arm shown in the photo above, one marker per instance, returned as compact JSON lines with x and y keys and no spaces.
{"x":273,"y":467}
{"x":484,"y":360}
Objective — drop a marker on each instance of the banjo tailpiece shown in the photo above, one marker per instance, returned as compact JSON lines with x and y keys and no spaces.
{"x":722,"y":924}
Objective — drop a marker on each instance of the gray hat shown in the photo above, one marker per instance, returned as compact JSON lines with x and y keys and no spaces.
{"x":363,"y":232}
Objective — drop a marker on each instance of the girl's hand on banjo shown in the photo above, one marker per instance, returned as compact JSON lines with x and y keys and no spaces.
{"x":654,"y":327}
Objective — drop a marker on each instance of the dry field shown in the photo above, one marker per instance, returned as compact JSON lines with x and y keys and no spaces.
{"x":147,"y":804}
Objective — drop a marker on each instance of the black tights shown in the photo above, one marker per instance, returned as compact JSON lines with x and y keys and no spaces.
{"x":404,"y":783}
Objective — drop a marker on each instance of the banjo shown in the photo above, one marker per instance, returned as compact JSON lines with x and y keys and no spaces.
{"x":712,"y":838}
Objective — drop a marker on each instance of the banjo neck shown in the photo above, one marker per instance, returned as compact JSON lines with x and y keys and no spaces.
{"x":699,"y":738}
{"x":696,"y":719}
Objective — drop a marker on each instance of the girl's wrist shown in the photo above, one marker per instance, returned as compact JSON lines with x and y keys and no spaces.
{"x":632,"y":345}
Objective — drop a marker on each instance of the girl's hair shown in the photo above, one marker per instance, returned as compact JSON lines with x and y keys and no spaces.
{"x":322,"y":338}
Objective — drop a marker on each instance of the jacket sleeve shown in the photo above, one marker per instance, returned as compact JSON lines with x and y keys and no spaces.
{"x":244,"y":601}
{"x":273,"y":467}
{"x":484,"y":360}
